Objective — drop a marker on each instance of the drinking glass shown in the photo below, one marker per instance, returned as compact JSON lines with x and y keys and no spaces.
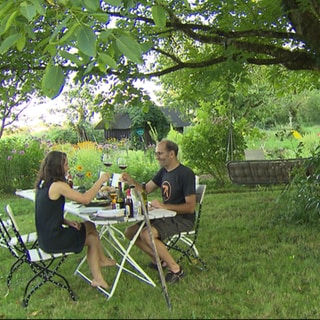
{"x":107,"y":160}
{"x":122,"y":163}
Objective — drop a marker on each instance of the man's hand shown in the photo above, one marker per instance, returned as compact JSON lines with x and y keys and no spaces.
{"x":125,"y":177}
{"x":156,"y":204}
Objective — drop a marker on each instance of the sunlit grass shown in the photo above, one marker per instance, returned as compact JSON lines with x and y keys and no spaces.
{"x":258,"y":268}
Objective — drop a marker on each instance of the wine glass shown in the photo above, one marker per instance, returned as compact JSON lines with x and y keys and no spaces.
{"x":106,"y":159}
{"x":122,"y":163}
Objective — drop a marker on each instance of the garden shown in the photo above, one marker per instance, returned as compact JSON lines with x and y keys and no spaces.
{"x":242,"y":74}
{"x":260,"y":245}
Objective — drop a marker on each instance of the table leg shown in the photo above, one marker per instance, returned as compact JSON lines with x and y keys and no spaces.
{"x":108,"y":233}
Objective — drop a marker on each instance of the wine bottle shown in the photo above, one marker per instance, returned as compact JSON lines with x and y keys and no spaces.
{"x":135,"y":201}
{"x":129,"y":205}
{"x":120,"y":197}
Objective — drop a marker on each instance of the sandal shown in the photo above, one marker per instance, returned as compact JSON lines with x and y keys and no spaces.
{"x":154,"y":265}
{"x":173,"y":277}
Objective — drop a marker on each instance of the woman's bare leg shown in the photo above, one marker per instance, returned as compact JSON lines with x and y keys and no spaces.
{"x":93,"y":256}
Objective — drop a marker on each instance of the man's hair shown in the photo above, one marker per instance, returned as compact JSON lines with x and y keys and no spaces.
{"x":172,"y":146}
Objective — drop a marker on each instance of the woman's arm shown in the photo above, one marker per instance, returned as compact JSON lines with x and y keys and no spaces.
{"x":61,"y":188}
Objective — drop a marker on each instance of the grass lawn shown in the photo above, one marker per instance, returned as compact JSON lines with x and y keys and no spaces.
{"x":259,"y":267}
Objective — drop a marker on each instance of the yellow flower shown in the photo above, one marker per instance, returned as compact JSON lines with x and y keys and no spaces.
{"x":88,"y":174}
{"x":79,"y":167}
{"x":296,"y":134}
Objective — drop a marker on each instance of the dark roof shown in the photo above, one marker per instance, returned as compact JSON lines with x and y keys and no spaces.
{"x":122,"y":121}
{"x":174,"y":117}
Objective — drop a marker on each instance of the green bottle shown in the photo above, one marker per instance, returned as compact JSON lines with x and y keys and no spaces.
{"x":120,"y":197}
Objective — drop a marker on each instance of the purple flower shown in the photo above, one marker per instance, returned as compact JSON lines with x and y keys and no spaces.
{"x":21,"y":152}
{"x":9,"y":158}
{"x":14,"y":151}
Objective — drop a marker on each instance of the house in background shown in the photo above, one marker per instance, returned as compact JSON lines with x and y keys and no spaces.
{"x":121,"y":125}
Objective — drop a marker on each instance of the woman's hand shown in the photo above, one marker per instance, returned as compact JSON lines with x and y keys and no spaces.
{"x":73,"y":223}
{"x":105,"y":177}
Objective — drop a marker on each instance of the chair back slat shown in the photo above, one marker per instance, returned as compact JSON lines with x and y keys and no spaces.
{"x":11,"y":216}
{"x":44,"y":265}
{"x":200,"y":193}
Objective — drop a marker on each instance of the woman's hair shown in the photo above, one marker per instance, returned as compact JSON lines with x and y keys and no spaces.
{"x":51,"y":169}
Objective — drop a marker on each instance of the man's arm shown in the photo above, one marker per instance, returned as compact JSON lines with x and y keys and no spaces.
{"x":188,"y":207}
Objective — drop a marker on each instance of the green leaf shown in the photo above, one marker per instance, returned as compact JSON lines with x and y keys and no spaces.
{"x":52,"y":81}
{"x":21,"y":42}
{"x":68,"y":33}
{"x":105,"y":35}
{"x":102,"y":17}
{"x":76,"y":3}
{"x":116,"y":3}
{"x":89,"y":68}
{"x":3,"y":24}
{"x":87,"y":41}
{"x":39,"y":7}
{"x":92,"y":5}
{"x":59,"y":28}
{"x":4,"y":7}
{"x":105,"y":59}
{"x":130,"y":48}
{"x":159,"y":16}
{"x":10,"y":20}
{"x":9,"y":42}
{"x":73,"y":58}
{"x":28,"y":10}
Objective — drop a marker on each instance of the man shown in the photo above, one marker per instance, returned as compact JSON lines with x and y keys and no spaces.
{"x":177,"y":183}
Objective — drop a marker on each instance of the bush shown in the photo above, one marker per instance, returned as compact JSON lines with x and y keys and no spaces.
{"x":300,"y":203}
{"x":20,"y":159}
{"x":205,"y":148}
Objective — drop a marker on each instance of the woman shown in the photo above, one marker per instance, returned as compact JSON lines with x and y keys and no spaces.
{"x":57,"y":234}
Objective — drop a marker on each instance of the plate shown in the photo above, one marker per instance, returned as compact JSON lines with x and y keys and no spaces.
{"x":99,"y":203}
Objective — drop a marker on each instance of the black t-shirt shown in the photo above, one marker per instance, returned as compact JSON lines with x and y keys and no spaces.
{"x":175,"y":185}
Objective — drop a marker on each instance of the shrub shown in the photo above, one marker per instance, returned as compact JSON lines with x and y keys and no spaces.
{"x":205,"y":147}
{"x":20,"y":159}
{"x":300,"y":203}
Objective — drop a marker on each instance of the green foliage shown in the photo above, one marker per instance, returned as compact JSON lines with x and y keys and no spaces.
{"x":70,"y":135}
{"x":59,"y":135}
{"x":205,"y":147}
{"x":53,"y":81}
{"x":20,"y":159}
{"x":85,"y":162}
{"x":142,"y":166}
{"x":151,"y":120}
{"x":300,"y":203}
{"x":308,"y":111}
{"x":43,"y":32}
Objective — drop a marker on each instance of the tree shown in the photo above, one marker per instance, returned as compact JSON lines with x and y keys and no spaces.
{"x":128,"y":39}
{"x":16,"y":93}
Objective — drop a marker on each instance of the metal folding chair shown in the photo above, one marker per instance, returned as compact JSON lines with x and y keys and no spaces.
{"x":185,"y":242}
{"x":10,"y":241}
{"x":43,"y":265}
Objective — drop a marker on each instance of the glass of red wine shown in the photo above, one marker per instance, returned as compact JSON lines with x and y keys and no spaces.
{"x":122,"y":163}
{"x":106,"y":159}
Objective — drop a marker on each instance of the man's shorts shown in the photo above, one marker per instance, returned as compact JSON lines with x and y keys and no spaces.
{"x":167,"y":227}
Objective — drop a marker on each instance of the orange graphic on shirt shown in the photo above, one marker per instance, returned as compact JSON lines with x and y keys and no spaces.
{"x":166,"y":190}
